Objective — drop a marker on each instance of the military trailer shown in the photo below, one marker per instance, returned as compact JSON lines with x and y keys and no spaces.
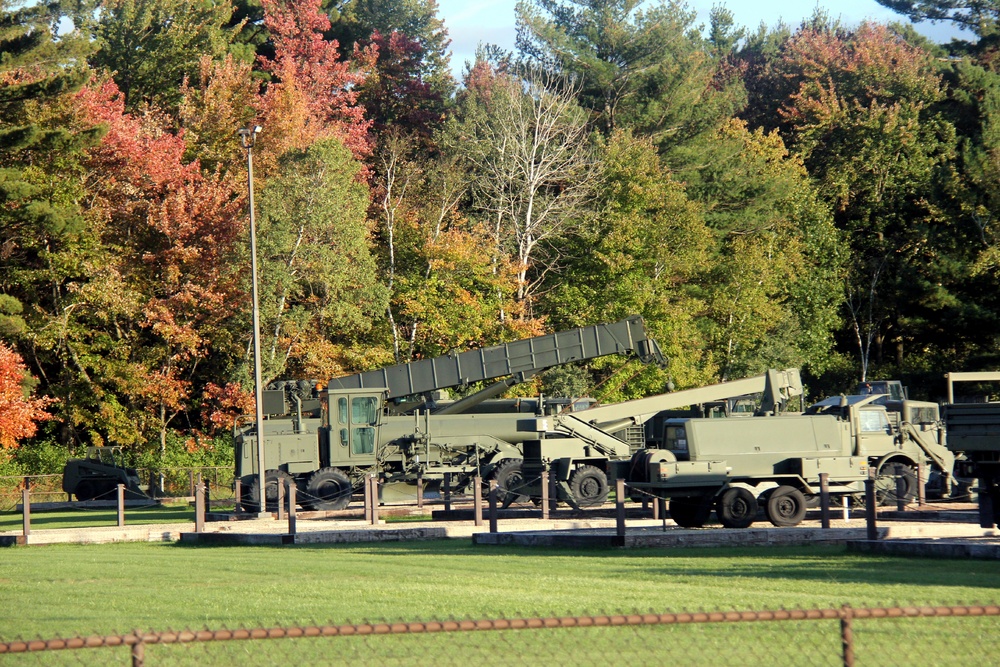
{"x":973,"y":426}
{"x":394,"y":423}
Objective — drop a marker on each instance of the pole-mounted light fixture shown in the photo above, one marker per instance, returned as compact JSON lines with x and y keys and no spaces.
{"x":248,"y":137}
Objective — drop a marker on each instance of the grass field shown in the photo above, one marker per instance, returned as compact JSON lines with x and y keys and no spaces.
{"x":98,"y":589}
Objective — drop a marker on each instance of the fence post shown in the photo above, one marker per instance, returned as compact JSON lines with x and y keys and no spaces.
{"x":138,"y":652}
{"x":477,"y":499}
{"x":922,"y":484}
{"x":620,"y":509}
{"x":190,"y":482}
{"x":121,"y":505}
{"x":847,"y":635}
{"x":152,"y":484}
{"x":26,"y":511}
{"x":657,"y":511}
{"x":493,"y":506}
{"x":870,"y":509}
{"x":374,"y":499}
{"x":281,"y":500}
{"x":553,"y":494}
{"x":199,"y":506}
{"x":447,"y":492}
{"x":238,"y":493}
{"x":900,"y":493}
{"x":420,"y":490}
{"x":545,"y":494}
{"x":291,"y":506}
{"x":368,"y":499}
{"x":824,"y":499}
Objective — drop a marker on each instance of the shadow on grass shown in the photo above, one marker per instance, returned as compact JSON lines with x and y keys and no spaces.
{"x":821,"y":564}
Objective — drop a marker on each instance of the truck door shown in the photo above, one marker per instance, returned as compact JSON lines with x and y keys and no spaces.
{"x":877,"y":437}
{"x":355,"y":426}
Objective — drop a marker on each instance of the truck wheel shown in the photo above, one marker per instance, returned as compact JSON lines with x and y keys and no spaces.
{"x":786,"y":506}
{"x":589,"y":486}
{"x":272,"y":478}
{"x":736,"y":508}
{"x":85,"y":491}
{"x":885,"y":483}
{"x":510,"y":481}
{"x":328,"y":489}
{"x":690,"y":512}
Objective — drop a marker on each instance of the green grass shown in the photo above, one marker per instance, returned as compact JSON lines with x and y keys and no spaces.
{"x":67,"y":590}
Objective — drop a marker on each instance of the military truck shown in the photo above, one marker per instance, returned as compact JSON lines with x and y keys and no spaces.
{"x":394,"y":423}
{"x":98,"y":475}
{"x":582,"y":451}
{"x":737,"y":467}
{"x":973,"y":426}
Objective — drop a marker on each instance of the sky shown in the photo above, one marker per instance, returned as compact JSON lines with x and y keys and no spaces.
{"x":471,"y":22}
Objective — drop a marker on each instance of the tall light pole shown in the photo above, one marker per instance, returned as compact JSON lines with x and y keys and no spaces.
{"x":248,"y":136}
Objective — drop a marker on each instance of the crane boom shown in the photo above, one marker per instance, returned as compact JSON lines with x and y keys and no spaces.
{"x":520,"y":359}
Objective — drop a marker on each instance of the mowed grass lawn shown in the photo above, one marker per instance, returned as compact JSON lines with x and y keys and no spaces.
{"x":84,"y":589}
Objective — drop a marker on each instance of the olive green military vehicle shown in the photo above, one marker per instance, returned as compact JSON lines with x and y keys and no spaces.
{"x":395,"y":423}
{"x":98,"y":475}
{"x":973,"y":426}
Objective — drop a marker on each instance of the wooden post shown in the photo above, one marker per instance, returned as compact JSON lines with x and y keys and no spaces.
{"x":620,"y":509}
{"x":281,"y":499}
{"x":26,"y":511}
{"x":121,"y":505}
{"x":847,"y":635}
{"x":190,"y":482}
{"x":824,"y":499}
{"x":420,"y":490}
{"x":238,"y":491}
{"x":656,"y":508}
{"x":870,"y":509}
{"x":199,"y":506}
{"x":368,"y":499}
{"x":493,"y":505}
{"x":545,"y":494}
{"x":553,"y":494}
{"x":152,"y":483}
{"x":922,"y":485}
{"x":138,"y":654}
{"x":900,"y":494}
{"x":291,"y":506}
{"x":477,"y":499}
{"x":374,"y":492}
{"x":447,"y":492}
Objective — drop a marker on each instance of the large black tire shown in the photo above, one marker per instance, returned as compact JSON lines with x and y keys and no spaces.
{"x":589,"y":486}
{"x":885,"y":483}
{"x":85,"y":490}
{"x":328,"y":489}
{"x":736,"y":508}
{"x":510,"y":482}
{"x":690,"y":512}
{"x":786,"y":506}
{"x":272,"y":478}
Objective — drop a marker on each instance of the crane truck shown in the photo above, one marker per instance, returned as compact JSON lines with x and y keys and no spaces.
{"x":737,"y":466}
{"x":393,"y":422}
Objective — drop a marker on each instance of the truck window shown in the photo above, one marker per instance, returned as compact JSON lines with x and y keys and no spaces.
{"x":364,"y":410}
{"x":874,"y":421}
{"x":676,"y":439}
{"x":342,"y":410}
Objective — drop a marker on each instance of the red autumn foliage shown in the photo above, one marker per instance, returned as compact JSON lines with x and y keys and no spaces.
{"x":18,"y":414}
{"x":315,"y":95}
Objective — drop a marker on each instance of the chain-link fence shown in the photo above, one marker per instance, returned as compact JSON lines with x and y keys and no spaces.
{"x":959,"y":635}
